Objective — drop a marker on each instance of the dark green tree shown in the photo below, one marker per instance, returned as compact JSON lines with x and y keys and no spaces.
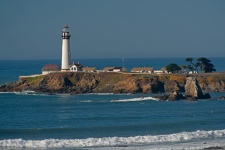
{"x":206,"y":65}
{"x":173,"y":68}
{"x":184,"y":68}
{"x":193,"y":66}
{"x":190,"y":68}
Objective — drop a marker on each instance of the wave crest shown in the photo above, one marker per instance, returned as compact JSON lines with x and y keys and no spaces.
{"x":113,"y":141}
{"x":135,"y":99}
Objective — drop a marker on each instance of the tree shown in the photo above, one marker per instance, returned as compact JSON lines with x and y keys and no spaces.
{"x":192,"y":67}
{"x":190,"y":60}
{"x":206,"y":65}
{"x":184,"y":68}
{"x":173,"y":68}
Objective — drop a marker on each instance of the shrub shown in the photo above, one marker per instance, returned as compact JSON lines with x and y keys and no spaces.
{"x":33,"y":80}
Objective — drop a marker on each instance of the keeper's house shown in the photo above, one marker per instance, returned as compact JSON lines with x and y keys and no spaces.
{"x":76,"y":67}
{"x":50,"y":68}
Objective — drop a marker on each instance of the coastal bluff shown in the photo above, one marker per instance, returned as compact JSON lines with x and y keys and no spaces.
{"x":108,"y":82}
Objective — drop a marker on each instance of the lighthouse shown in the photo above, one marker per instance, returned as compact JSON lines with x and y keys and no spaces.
{"x":65,"y":49}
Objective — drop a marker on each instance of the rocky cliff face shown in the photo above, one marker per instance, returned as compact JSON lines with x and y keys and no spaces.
{"x":212,"y":83}
{"x":80,"y":82}
{"x":75,"y":83}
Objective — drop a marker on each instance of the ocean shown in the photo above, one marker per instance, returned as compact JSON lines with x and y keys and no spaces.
{"x":106,"y":121}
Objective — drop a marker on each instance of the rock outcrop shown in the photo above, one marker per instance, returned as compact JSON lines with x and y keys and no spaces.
{"x":170,"y":97}
{"x":221,"y":98}
{"x":171,"y":86}
{"x":175,"y":96}
{"x":193,"y":90}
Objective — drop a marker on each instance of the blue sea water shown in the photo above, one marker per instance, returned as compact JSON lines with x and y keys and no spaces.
{"x":106,"y":121}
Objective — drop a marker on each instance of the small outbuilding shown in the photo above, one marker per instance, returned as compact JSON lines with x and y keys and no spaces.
{"x":162,"y":71}
{"x":89,"y":69}
{"x":113,"y":69}
{"x":108,"y":69}
{"x":143,"y":70}
{"x":50,"y":68}
{"x":118,"y":69}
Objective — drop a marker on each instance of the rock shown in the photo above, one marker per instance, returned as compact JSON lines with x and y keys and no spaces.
{"x":171,"y":86}
{"x":214,"y":148}
{"x":161,"y":97}
{"x":191,"y":98}
{"x":3,"y":88}
{"x":156,"y":85}
{"x":175,"y":96}
{"x":192,"y":88}
{"x":221,"y":98}
{"x":193,"y":91}
{"x":171,"y":97}
{"x":207,"y":96}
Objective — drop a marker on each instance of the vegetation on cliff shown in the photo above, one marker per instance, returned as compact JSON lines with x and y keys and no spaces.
{"x":202,"y":63}
{"x":173,"y":68}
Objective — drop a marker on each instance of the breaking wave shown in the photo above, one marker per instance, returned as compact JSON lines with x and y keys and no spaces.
{"x":93,"y":101}
{"x":115,"y":141}
{"x":97,"y":94}
{"x":135,"y":99}
{"x":7,"y":92}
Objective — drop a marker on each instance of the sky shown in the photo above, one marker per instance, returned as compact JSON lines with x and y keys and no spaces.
{"x":31,"y":29}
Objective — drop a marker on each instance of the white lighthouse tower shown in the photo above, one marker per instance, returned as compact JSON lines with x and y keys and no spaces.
{"x":65,"y":49}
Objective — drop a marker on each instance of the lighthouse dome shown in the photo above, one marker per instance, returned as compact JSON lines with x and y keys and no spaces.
{"x":65,"y":29}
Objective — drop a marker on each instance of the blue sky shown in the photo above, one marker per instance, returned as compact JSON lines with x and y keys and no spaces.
{"x":31,"y":29}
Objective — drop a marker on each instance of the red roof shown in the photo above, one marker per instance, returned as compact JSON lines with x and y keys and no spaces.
{"x":51,"y":67}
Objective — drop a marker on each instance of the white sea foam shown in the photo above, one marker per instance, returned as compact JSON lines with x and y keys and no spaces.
{"x":171,"y":140}
{"x":93,"y":101}
{"x":97,"y":94}
{"x":135,"y":99}
{"x":86,"y":101}
{"x":7,"y":92}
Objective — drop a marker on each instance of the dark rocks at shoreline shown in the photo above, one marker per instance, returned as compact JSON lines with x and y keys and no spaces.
{"x":192,"y":91}
{"x":175,"y":96}
{"x":206,"y":96}
{"x":170,"y":97}
{"x":163,"y":97}
{"x":214,"y":148}
{"x":221,"y":98}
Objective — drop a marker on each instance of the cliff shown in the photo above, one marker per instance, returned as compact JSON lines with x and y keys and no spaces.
{"x":80,"y":82}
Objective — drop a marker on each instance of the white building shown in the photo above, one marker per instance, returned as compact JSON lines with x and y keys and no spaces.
{"x":50,"y":68}
{"x":89,"y":69}
{"x":161,"y":71}
{"x":143,"y":70}
{"x":113,"y":69}
{"x":65,"y":66}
